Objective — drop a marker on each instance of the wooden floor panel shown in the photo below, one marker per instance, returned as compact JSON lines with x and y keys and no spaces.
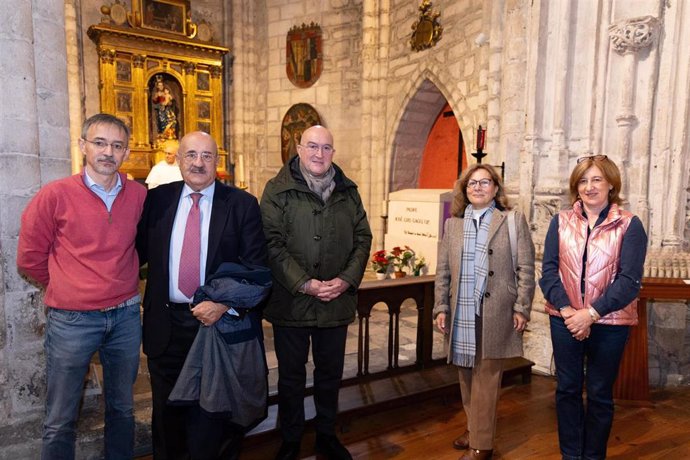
{"x":526,"y":429}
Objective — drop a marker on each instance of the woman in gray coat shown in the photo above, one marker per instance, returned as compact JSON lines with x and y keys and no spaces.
{"x":482,"y":302}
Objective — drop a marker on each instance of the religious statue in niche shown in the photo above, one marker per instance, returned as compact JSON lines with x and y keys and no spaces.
{"x":304,"y":55}
{"x":298,"y":118}
{"x":165,"y":110}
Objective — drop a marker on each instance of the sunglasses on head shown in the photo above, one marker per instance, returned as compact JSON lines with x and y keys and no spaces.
{"x":592,"y":157}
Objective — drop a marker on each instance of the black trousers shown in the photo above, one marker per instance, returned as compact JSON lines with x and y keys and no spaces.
{"x":292,"y":351}
{"x":185,"y":432}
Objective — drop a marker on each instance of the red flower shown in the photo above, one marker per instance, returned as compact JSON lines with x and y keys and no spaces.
{"x":380,"y":261}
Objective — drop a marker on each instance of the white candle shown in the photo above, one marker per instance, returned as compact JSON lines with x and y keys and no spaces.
{"x":240,"y":168}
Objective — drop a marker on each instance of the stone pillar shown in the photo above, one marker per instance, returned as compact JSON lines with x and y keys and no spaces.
{"x":246,"y":101}
{"x":559,"y":149}
{"x":20,"y":177}
{"x":75,"y":83}
{"x":628,"y":38}
{"x":375,"y":47}
{"x":34,"y":149}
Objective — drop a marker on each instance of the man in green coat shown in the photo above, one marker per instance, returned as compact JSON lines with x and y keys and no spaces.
{"x":318,"y":242}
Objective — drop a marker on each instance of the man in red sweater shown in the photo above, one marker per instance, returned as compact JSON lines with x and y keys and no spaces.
{"x":77,"y":241}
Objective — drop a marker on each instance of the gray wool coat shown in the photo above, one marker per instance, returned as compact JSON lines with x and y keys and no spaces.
{"x":502,"y":296}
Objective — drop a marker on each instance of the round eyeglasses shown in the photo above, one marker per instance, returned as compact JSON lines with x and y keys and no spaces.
{"x":100,"y":145}
{"x":191,"y":157}
{"x":483,"y":183}
{"x":314,"y":148}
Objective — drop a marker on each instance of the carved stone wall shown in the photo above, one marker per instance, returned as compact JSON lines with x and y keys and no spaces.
{"x":611,"y":89}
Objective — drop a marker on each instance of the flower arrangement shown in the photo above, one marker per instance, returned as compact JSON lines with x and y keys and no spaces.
{"x":418,"y":265}
{"x":380,"y":261}
{"x":403,"y":260}
{"x":401,"y":257}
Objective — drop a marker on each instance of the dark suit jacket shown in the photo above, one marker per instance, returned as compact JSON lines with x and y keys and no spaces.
{"x":235,"y":232}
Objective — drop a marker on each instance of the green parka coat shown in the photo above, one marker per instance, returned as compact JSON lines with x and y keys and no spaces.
{"x":307,"y":239}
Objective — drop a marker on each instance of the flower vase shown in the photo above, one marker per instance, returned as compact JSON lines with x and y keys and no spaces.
{"x":399,"y":274}
{"x":380,"y":276}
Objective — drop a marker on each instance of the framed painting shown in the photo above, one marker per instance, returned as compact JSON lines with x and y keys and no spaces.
{"x":124,"y":101}
{"x":166,"y":15}
{"x":298,"y":118}
{"x":204,"y":126}
{"x":202,"y":81}
{"x":203,"y":109}
{"x":123,"y":71}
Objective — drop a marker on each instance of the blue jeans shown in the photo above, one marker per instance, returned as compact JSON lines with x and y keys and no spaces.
{"x":584,"y":432}
{"x":72,"y":337}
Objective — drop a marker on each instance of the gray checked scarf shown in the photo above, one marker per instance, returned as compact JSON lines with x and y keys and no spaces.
{"x":473,"y":271}
{"x":321,"y":185}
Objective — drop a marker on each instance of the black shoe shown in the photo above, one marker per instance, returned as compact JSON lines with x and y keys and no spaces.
{"x":331,"y":448}
{"x":288,"y":451}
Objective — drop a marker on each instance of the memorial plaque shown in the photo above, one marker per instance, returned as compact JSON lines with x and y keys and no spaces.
{"x":415,"y":219}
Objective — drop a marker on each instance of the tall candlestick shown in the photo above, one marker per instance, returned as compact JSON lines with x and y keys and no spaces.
{"x":481,"y":133}
{"x":240,"y":168}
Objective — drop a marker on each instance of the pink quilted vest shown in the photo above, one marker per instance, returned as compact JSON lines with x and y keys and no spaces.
{"x":603,"y":260}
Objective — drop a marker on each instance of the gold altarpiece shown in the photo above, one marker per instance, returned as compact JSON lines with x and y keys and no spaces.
{"x":138,"y":63}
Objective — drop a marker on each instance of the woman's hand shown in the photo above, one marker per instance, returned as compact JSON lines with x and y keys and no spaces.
{"x":519,"y":321}
{"x":441,"y":322}
{"x":578,"y":323}
{"x":567,"y":312}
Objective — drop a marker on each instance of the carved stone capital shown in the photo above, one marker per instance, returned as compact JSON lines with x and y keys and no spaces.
{"x":633,"y":35}
{"x":138,"y":61}
{"x":189,"y":67}
{"x":107,"y":55}
{"x":215,"y":70}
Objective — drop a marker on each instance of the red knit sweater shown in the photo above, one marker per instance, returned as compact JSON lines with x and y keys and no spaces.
{"x":83,"y":254}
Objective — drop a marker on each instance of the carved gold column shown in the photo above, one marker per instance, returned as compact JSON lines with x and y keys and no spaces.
{"x":217,"y":104}
{"x":107,"y":76}
{"x":140,"y":99}
{"x":190,"y":109}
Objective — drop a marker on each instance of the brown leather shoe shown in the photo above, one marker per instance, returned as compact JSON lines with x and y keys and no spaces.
{"x":462,"y":442}
{"x":476,"y":454}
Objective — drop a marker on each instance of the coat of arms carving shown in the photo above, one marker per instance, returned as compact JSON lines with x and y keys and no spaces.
{"x":427,"y":30}
{"x":304,"y":55}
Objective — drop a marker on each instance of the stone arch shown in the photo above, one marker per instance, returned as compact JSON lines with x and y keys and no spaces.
{"x":425,"y":95}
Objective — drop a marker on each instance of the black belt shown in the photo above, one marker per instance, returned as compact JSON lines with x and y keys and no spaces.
{"x":179,"y":306}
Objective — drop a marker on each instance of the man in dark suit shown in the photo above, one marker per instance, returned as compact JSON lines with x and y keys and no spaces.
{"x":228,"y":228}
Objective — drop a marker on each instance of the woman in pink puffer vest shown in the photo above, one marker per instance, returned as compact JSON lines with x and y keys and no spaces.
{"x":593,"y":262}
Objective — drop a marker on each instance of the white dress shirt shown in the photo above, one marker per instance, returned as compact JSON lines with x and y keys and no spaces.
{"x":177,"y":238}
